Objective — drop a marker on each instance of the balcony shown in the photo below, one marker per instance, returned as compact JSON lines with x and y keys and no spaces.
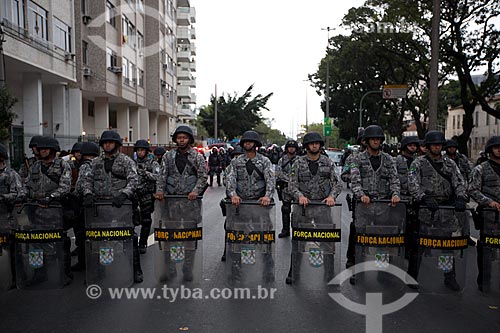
{"x":193,"y":14}
{"x":193,"y":33}
{"x":183,"y":3}
{"x":192,"y":66}
{"x":183,"y":16}
{"x":184,"y":92}
{"x":184,"y":110}
{"x":183,"y":73}
{"x":184,"y":55}
{"x":183,"y":35}
{"x":193,"y":49}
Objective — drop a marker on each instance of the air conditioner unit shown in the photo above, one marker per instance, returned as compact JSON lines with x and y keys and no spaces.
{"x":87,"y":72}
{"x":69,"y":56}
{"x":165,"y":66}
{"x":86,"y":19}
{"x":115,"y":69}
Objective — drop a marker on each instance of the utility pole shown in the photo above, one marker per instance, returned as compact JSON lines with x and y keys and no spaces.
{"x":327,"y":88}
{"x":2,"y":64}
{"x":433,"y":88}
{"x":215,"y":114}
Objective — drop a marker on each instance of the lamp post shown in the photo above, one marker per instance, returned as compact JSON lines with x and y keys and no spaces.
{"x":361,"y":105}
{"x":2,"y":64}
{"x":327,"y":88}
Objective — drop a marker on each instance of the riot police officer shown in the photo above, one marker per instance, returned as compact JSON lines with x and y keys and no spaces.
{"x":49,"y":181}
{"x":373,"y":175}
{"x":313,"y":177}
{"x":484,"y":188}
{"x":113,"y":176}
{"x":436,"y":180}
{"x":149,"y":171}
{"x":282,"y":180}
{"x":11,"y":191}
{"x":214,"y":165}
{"x":73,"y":202}
{"x":28,"y":162}
{"x":159,"y":152}
{"x":184,"y":173}
{"x":451,"y":147}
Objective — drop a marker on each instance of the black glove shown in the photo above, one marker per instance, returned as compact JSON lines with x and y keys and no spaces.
{"x":45,"y":201}
{"x":431,"y":203}
{"x":118,"y":200}
{"x":88,"y":200}
{"x":460,"y":205}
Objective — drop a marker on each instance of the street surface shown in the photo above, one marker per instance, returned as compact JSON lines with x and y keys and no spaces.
{"x":291,"y":310}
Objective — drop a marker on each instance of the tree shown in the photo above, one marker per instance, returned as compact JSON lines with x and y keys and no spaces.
{"x":7,"y":102}
{"x":269,"y":135}
{"x":235,"y":114}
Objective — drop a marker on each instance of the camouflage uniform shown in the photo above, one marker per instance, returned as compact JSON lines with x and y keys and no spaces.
{"x":484,"y":188}
{"x":149,"y":171}
{"x":11,"y":187}
{"x":403,"y":166}
{"x":463,"y":165}
{"x":251,"y":186}
{"x":24,"y":169}
{"x":283,"y":169}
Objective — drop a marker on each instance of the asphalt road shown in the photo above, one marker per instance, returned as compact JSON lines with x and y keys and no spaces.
{"x":291,"y":309}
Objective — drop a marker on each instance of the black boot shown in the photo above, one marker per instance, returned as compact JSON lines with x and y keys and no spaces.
{"x":68,"y":275}
{"x":285,"y":219}
{"x":138,"y":278}
{"x":450,"y":282}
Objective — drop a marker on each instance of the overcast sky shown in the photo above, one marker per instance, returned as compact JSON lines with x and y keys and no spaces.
{"x":273,"y":44}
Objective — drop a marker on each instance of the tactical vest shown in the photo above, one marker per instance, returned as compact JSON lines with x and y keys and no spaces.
{"x":490,"y":182}
{"x":42,"y":185}
{"x":250,"y":187}
{"x":433,"y":184}
{"x":146,"y":185}
{"x":314,"y":187}
{"x":402,"y":168}
{"x":178,"y":183}
{"x":108,"y":184}
{"x":4,"y":182}
{"x":376,"y":183}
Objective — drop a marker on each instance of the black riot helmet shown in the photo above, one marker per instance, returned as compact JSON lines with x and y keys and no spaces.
{"x":3,"y":152}
{"x":48,"y":142}
{"x":408,"y":140}
{"x":186,"y":130}
{"x":450,"y":144}
{"x":77,"y":147}
{"x":159,"y":151}
{"x":374,"y":132}
{"x":492,"y":142}
{"x":360,"y":137}
{"x":110,"y":136}
{"x":434,"y":137}
{"x":237,"y":151}
{"x":291,"y":143}
{"x":34,"y":141}
{"x":312,"y":137}
{"x":251,"y":136}
{"x":142,"y":144}
{"x":89,"y":149}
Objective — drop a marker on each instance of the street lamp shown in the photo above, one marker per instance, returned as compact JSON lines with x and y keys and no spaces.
{"x":2,"y":63}
{"x":361,"y":105}
{"x":327,"y":88}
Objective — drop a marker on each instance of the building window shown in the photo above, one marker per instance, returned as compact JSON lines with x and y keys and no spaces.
{"x":475,"y":143}
{"x":18,"y":13}
{"x":84,"y":7}
{"x":496,"y":121}
{"x":111,"y":58}
{"x":477,"y":119}
{"x":483,"y":142}
{"x":487,"y":119}
{"x":91,"y":109}
{"x":140,"y":78}
{"x":459,"y":117}
{"x":140,"y":44}
{"x":140,"y":5}
{"x":128,"y":31}
{"x":110,"y":14}
{"x":453,"y":126}
{"x":37,"y":21}
{"x":62,"y":35}
{"x":85,"y":52}
{"x":170,"y":38}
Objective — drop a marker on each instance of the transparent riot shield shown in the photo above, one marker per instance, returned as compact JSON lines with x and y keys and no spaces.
{"x":39,"y":247}
{"x":440,"y":262}
{"x":316,"y":238}
{"x":250,"y":238}
{"x":7,"y":224}
{"x":178,"y":231}
{"x":109,"y":235}
{"x":380,"y":239}
{"x":488,"y":253}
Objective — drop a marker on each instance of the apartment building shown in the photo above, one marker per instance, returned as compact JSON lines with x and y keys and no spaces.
{"x":485,"y":126}
{"x":40,"y":69}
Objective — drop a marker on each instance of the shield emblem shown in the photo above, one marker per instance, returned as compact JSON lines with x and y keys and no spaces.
{"x":382,"y":260}
{"x":445,"y":263}
{"x":35,"y":258}
{"x":248,"y":256}
{"x":177,"y":253}
{"x":316,"y":257}
{"x":106,"y":255}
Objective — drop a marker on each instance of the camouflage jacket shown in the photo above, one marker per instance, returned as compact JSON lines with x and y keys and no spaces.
{"x":23,"y":170}
{"x":425,"y":180}
{"x":463,"y":165}
{"x":484,"y":186}
{"x":75,"y":170}
{"x":284,"y":168}
{"x":11,"y":186}
{"x":252,"y":186}
{"x":317,"y":186}
{"x":85,"y":168}
{"x":122,"y":178}
{"x":403,"y":169}
{"x":149,"y":171}
{"x":348,"y":164}
{"x":192,"y":179}
{"x":55,"y":181}
{"x":382,"y":183}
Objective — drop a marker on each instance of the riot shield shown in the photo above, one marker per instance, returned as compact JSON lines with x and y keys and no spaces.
{"x":380,"y":238}
{"x":7,"y":224}
{"x":109,"y":235}
{"x":488,"y":252}
{"x":250,"y":238}
{"x":316,"y":238}
{"x":441,"y":259}
{"x":178,"y":231}
{"x":39,"y":247}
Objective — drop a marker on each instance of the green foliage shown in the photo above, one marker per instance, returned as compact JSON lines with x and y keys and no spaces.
{"x":269,"y":135}
{"x":7,"y":102}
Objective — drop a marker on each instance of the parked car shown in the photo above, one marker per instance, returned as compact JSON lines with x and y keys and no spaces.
{"x":336,"y":156}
